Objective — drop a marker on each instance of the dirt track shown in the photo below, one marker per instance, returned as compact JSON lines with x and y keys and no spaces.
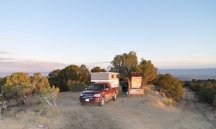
{"x":146,"y":112}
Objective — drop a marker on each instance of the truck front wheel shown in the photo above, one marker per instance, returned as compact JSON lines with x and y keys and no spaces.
{"x":102,"y":102}
{"x":82,"y":103}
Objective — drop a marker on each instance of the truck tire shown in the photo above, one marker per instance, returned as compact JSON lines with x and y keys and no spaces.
{"x":102,"y":102}
{"x":114,"y":97}
{"x":82,"y":103}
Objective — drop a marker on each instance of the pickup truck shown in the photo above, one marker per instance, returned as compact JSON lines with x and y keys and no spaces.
{"x":99,"y":93}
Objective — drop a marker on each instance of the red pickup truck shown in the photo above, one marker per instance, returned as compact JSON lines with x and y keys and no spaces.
{"x":99,"y":93}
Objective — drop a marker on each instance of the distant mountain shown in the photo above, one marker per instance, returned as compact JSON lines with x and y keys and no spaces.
{"x":188,"y":74}
{"x":30,"y":73}
{"x":4,"y":74}
{"x":183,"y":74}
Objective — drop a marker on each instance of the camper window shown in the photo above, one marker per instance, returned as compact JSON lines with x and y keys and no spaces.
{"x":117,"y":76}
{"x":112,"y":76}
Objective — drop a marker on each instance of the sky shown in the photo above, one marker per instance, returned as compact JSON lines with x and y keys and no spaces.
{"x":43,"y":35}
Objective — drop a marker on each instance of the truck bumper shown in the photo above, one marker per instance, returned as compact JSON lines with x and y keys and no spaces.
{"x":90,"y":100}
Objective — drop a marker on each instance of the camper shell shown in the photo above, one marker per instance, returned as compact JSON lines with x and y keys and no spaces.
{"x":110,"y":77}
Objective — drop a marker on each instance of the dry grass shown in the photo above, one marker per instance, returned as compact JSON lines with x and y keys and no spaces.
{"x":149,"y":111}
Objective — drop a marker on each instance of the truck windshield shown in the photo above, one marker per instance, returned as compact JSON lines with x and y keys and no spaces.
{"x":96,"y":87}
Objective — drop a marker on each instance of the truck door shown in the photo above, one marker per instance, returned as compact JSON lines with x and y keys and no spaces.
{"x":108,"y":92}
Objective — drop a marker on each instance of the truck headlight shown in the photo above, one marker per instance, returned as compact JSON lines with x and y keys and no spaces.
{"x":97,"y":95}
{"x":81,"y":94}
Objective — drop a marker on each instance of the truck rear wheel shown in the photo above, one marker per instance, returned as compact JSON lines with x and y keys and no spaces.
{"x":114,"y":97}
{"x":102,"y":102}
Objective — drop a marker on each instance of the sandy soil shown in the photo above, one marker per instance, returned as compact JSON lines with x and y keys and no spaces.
{"x":147,"y":112}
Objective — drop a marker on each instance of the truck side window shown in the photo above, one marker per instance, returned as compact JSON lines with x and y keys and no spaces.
{"x":107,"y":87}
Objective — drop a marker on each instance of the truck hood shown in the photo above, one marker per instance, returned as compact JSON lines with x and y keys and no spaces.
{"x":91,"y":92}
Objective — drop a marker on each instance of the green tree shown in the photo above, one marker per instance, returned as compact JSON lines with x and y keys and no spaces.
{"x":71,"y":72}
{"x":124,"y":63}
{"x":148,"y":70}
{"x":127,"y":62}
{"x":54,"y":78}
{"x":85,"y":75}
{"x":171,"y":85}
{"x":76,"y":85}
{"x":70,"y":77}
{"x":97,"y":69}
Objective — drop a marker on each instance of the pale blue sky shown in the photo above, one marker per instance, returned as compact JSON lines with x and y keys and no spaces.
{"x":47,"y":34}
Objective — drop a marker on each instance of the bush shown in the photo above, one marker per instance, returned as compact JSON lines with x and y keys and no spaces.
{"x":172,"y":86}
{"x":70,"y":77}
{"x":168,"y":101}
{"x":214,"y":102}
{"x":76,"y":85}
{"x":97,"y":69}
{"x":48,"y":100}
{"x":204,"y":89}
{"x":20,"y":86}
{"x":2,"y":81}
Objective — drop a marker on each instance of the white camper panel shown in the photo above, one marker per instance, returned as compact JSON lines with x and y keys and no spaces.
{"x":111,"y":77}
{"x":136,"y":82}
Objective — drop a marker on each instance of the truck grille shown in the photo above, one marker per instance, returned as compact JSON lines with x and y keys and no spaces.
{"x":87,"y":96}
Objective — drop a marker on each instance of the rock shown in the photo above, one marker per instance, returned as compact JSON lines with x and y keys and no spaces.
{"x":38,"y":127}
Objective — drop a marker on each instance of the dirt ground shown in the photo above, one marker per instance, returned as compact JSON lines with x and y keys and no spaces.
{"x":147,"y":112}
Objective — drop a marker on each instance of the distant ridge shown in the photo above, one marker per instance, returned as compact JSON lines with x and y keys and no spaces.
{"x":182,"y":74}
{"x":188,"y":74}
{"x":30,"y":73}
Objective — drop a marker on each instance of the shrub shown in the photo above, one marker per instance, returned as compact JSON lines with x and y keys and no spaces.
{"x":76,"y":85}
{"x":214,"y":102}
{"x":204,"y":89}
{"x":97,"y":69}
{"x":2,"y":81}
{"x":68,"y":78}
{"x":3,"y":104}
{"x":20,"y":86}
{"x":48,"y":100}
{"x":168,"y":101}
{"x":172,"y":86}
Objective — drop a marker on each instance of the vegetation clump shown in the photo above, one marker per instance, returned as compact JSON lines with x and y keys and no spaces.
{"x":170,"y":85}
{"x":17,"y":86}
{"x":21,"y":86}
{"x":97,"y":69}
{"x":128,"y":62}
{"x":72,"y":78}
{"x":204,"y":89}
{"x":3,"y":105}
{"x":168,"y":101}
